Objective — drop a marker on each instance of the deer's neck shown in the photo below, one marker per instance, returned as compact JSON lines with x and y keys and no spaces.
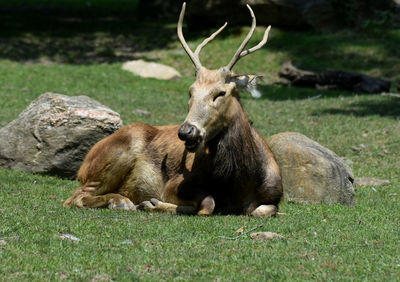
{"x":235,"y":150}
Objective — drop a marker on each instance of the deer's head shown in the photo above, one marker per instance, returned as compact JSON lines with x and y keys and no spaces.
{"x":213,"y":102}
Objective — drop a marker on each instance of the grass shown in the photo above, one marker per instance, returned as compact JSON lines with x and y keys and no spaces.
{"x":322,"y":242}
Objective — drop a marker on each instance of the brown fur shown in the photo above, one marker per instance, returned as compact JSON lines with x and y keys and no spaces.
{"x":140,"y":162}
{"x":223,"y":165}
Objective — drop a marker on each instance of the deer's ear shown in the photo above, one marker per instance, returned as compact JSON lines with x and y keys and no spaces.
{"x":247,"y":82}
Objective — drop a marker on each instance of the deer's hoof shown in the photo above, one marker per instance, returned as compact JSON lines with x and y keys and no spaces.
{"x":121,"y":205}
{"x":145,"y":206}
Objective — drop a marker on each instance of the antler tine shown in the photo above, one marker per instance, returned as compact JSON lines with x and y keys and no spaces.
{"x":240,"y":53}
{"x":185,"y":46}
{"x":259,"y":45}
{"x":207,"y":40}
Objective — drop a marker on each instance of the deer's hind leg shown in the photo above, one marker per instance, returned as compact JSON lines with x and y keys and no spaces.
{"x":84,"y":197}
{"x":100,"y":188}
{"x":104,"y":171}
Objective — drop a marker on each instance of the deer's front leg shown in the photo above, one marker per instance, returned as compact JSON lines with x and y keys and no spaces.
{"x":206,"y":207}
{"x":155,"y":205}
{"x":265,"y":211}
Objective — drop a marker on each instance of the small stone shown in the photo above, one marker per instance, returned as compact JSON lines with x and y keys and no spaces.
{"x":3,"y":243}
{"x":127,"y":242}
{"x":349,"y":162}
{"x":265,"y":236}
{"x":369,"y":181}
{"x":101,"y":277}
{"x":140,"y":112}
{"x":151,"y":70}
{"x":63,"y":276}
{"x":64,"y":236}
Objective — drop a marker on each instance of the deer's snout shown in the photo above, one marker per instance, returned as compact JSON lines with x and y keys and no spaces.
{"x":191,"y":135}
{"x":188,"y":132}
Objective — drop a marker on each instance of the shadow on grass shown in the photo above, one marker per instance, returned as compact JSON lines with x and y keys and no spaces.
{"x":83,"y":39}
{"x":283,"y":93}
{"x":79,"y":40}
{"x":75,"y":38}
{"x":347,"y":50}
{"x":387,"y":108}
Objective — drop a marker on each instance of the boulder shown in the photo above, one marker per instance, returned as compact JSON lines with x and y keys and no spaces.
{"x":149,"y":69}
{"x":54,"y":133}
{"x":310,"y":172}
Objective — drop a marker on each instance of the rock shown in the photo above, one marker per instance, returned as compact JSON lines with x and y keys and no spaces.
{"x":140,"y":112}
{"x":310,"y":172}
{"x":127,"y":242}
{"x":265,"y":236}
{"x":149,"y":69}
{"x":369,"y":181}
{"x":54,"y":133}
{"x":64,"y":236}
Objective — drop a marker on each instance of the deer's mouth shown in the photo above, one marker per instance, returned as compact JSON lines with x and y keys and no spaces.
{"x":191,"y":135}
{"x":192,"y":145}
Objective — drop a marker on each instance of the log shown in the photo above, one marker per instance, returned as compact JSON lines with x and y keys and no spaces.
{"x":332,"y":79}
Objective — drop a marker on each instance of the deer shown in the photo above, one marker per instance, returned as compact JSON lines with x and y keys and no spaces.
{"x":215,"y":162}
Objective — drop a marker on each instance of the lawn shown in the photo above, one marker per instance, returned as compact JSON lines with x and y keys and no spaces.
{"x":76,"y":56}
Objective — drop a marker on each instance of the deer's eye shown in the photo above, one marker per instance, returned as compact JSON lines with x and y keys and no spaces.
{"x":220,"y":94}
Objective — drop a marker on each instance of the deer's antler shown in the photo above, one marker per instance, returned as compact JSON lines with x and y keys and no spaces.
{"x":194,"y":56}
{"x":240,"y":53}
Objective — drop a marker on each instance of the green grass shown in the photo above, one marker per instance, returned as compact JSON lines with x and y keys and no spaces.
{"x":322,"y":242}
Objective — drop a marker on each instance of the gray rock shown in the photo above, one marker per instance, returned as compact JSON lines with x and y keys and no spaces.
{"x":54,"y":133}
{"x":310,"y":172}
{"x":152,"y":70}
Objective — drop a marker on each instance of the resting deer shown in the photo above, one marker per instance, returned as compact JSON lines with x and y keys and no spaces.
{"x":215,"y":162}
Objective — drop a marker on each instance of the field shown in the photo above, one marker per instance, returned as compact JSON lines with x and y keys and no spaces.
{"x":75,"y":56}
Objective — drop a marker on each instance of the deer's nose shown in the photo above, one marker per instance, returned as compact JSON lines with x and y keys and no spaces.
{"x":188,"y":132}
